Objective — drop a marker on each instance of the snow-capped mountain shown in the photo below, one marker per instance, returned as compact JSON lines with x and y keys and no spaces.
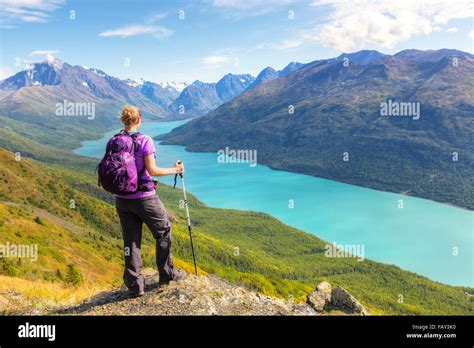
{"x":159,"y":95}
{"x":179,"y":86}
{"x":200,"y":97}
{"x":172,"y":86}
{"x":135,"y":82}
{"x":162,"y":99}
{"x":55,"y":81}
{"x":163,"y":93}
{"x":35,"y":74}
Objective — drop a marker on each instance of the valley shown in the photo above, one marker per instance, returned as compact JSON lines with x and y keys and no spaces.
{"x":390,"y":228}
{"x":49,"y":195}
{"x":325,"y":120}
{"x":274,"y":259}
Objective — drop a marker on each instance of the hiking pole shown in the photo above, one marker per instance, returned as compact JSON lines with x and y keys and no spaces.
{"x":187,"y":215}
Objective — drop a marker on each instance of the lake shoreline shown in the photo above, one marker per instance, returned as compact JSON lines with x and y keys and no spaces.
{"x":288,"y":170}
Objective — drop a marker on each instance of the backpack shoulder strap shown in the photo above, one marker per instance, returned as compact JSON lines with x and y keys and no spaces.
{"x":133,"y":136}
{"x":135,"y":142}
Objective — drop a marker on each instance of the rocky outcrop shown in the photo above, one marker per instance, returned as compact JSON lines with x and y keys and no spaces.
{"x":343,"y":300}
{"x":210,"y":295}
{"x":194,"y":295}
{"x":320,"y":297}
{"x":325,"y":299}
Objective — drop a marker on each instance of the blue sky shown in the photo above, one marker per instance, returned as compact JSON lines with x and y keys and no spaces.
{"x":188,"y":40}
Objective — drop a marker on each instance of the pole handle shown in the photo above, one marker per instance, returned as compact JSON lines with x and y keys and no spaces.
{"x":176,"y":176}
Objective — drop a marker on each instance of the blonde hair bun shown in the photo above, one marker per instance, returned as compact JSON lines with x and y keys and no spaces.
{"x":130,"y":115}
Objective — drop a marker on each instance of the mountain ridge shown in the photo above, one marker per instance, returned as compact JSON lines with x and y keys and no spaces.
{"x":337,"y":109}
{"x":200,"y":97}
{"x":61,"y":81}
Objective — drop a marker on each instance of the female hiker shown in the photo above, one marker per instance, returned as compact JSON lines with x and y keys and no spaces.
{"x":144,"y":206}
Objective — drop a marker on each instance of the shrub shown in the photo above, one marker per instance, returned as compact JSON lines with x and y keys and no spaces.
{"x":39,"y":221}
{"x":73,"y":275}
{"x":7,"y":267}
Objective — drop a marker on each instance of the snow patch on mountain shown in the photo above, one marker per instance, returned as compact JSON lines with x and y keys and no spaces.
{"x":56,"y":63}
{"x":135,"y":82}
{"x":98,"y":72}
{"x":179,"y":86}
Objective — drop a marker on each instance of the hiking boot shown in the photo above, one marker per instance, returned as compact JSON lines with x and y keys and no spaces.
{"x":134,"y":293}
{"x":140,"y":294}
{"x":177,"y":276}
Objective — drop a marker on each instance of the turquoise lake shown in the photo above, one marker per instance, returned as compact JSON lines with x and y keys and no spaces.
{"x":425,"y":237}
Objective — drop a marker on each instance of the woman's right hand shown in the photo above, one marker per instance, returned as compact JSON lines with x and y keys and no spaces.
{"x":179,"y":167}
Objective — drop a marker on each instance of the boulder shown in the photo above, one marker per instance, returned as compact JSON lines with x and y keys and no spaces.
{"x":341,"y":299}
{"x":320,"y":297}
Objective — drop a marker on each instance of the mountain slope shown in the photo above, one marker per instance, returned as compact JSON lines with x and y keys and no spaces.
{"x":290,"y":68}
{"x":161,"y":94}
{"x":430,"y":55}
{"x":265,"y":75}
{"x":44,"y":144}
{"x":269,"y":74}
{"x":337,"y":111}
{"x":55,"y":81}
{"x":230,"y":86}
{"x":199,"y":98}
{"x":364,"y":57}
{"x":74,"y":101}
{"x":274,"y":259}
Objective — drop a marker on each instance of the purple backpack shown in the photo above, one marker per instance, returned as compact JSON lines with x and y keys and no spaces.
{"x":118,"y":171}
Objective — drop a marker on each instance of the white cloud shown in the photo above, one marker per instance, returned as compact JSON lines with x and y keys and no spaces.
{"x":216,"y":61}
{"x":138,"y":29}
{"x":471,"y":35}
{"x":288,"y":44}
{"x":386,"y":23}
{"x":285,"y":45}
{"x":30,"y":11}
{"x":49,"y":54}
{"x":154,"y":17}
{"x":452,"y":30}
{"x":43,"y":5}
{"x":43,"y":52}
{"x":239,"y":4}
{"x":297,"y":39}
{"x":249,"y":8}
{"x":33,"y":19}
